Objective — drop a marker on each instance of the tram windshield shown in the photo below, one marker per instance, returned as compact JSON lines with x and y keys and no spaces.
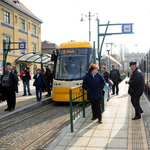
{"x":71,"y":64}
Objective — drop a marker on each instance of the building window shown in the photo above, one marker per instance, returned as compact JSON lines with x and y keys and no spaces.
{"x":22,"y":24}
{"x":34,"y":29}
{"x":34,"y":48}
{"x":7,"y":17}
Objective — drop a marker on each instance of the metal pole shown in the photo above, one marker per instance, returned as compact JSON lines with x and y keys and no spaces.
{"x":94,"y":56}
{"x":83,"y":104}
{"x":89,"y":27}
{"x":41,"y":63}
{"x":101,"y":48}
{"x":71,"y":119}
{"x":98,"y":34}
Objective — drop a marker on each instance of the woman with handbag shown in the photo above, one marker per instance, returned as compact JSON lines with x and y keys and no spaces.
{"x":94,"y":83}
{"x":106,"y":77}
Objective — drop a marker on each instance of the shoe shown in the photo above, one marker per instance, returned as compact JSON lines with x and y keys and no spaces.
{"x":113,"y":94}
{"x":100,"y":122}
{"x":135,"y":118}
{"x":30,"y":94}
{"x":116,"y":93}
{"x":141,"y":111}
{"x":93,"y":118}
{"x":6,"y":109}
{"x":24,"y":95}
{"x":11,"y":109}
{"x":47,"y":95}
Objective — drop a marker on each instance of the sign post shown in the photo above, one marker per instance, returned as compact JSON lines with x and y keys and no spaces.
{"x":21,"y":45}
{"x":127,"y":28}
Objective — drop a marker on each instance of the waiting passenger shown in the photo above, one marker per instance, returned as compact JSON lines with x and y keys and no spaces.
{"x":38,"y":83}
{"x":94,"y":83}
{"x":106,"y":77}
{"x":115,"y":77}
{"x":26,"y":77}
{"x":9,"y":87}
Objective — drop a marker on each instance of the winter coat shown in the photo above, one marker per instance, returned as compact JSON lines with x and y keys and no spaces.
{"x":38,"y":81}
{"x":106,"y":76}
{"x":93,"y":86}
{"x":23,"y":76}
{"x":13,"y":82}
{"x":47,"y":75}
{"x":117,"y":76}
{"x":136,"y":82}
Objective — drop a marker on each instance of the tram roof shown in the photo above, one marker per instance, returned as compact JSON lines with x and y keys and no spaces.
{"x":35,"y":58}
{"x":75,"y":45}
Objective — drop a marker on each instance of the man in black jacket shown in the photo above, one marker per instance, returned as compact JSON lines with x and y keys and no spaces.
{"x":136,"y":88}
{"x":115,"y":77}
{"x":47,"y":79}
{"x":9,"y":86}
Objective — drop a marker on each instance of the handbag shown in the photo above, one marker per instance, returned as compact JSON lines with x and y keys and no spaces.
{"x":110,"y":82}
{"x":103,"y":92}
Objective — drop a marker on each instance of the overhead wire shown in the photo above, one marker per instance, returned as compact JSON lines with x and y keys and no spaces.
{"x":80,"y":6}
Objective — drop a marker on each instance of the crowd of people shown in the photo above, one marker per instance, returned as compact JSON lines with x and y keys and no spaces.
{"x":9,"y":84}
{"x":93,"y":83}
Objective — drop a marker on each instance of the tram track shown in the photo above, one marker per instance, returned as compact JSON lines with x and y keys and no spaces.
{"x":31,"y":116}
{"x":26,"y":147}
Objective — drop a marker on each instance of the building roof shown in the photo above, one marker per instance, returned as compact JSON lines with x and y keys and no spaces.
{"x":48,"y":45}
{"x":21,"y":8}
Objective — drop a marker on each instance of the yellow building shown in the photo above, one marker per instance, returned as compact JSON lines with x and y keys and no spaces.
{"x":19,"y":24}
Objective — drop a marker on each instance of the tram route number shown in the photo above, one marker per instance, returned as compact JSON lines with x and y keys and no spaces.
{"x":68,"y":52}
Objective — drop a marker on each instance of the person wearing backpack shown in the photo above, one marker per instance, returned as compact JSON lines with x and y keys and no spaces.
{"x":94,"y":83}
{"x":38,"y":83}
{"x":115,"y":77}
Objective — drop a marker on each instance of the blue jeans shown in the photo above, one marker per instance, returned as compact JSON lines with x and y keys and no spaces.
{"x":38,"y":89}
{"x":108,"y":94}
{"x":26,"y":83}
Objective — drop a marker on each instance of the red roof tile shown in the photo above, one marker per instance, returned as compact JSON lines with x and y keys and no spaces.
{"x":22,"y":7}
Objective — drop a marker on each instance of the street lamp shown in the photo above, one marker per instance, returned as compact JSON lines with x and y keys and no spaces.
{"x":89,"y":17}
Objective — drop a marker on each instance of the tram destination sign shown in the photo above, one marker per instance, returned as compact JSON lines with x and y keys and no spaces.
{"x":127,"y":28}
{"x":22,"y":45}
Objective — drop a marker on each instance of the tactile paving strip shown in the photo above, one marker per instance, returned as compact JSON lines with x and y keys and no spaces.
{"x":136,"y":132}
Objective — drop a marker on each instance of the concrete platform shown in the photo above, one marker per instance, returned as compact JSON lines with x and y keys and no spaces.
{"x":23,"y":103}
{"x":117,"y":132}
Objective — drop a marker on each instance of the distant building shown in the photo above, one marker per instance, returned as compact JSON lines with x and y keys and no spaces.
{"x":48,"y":47}
{"x":115,"y":56}
{"x":128,"y":57}
{"x":19,"y":24}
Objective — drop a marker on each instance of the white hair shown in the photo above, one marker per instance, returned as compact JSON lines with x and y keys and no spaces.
{"x":9,"y":67}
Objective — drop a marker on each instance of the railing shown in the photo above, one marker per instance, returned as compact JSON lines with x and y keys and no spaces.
{"x":78,"y":103}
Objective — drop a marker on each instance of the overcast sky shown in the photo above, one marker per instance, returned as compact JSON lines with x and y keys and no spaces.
{"x":61,"y":21}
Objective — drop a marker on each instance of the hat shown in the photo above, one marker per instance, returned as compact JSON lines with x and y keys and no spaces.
{"x":132,"y":63}
{"x":103,"y":67}
{"x":46,"y":65}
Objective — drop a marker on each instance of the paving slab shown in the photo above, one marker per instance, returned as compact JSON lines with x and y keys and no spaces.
{"x":117,"y":132}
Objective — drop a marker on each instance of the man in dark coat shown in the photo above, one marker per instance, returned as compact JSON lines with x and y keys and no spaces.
{"x":9,"y":87}
{"x":115,"y":77}
{"x":47,"y":79}
{"x":136,"y":88}
{"x":38,"y":83}
{"x":94,"y":83}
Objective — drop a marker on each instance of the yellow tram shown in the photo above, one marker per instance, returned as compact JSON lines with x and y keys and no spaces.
{"x":71,"y":61}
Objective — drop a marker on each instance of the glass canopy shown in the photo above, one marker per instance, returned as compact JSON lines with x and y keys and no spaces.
{"x":35,"y":58}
